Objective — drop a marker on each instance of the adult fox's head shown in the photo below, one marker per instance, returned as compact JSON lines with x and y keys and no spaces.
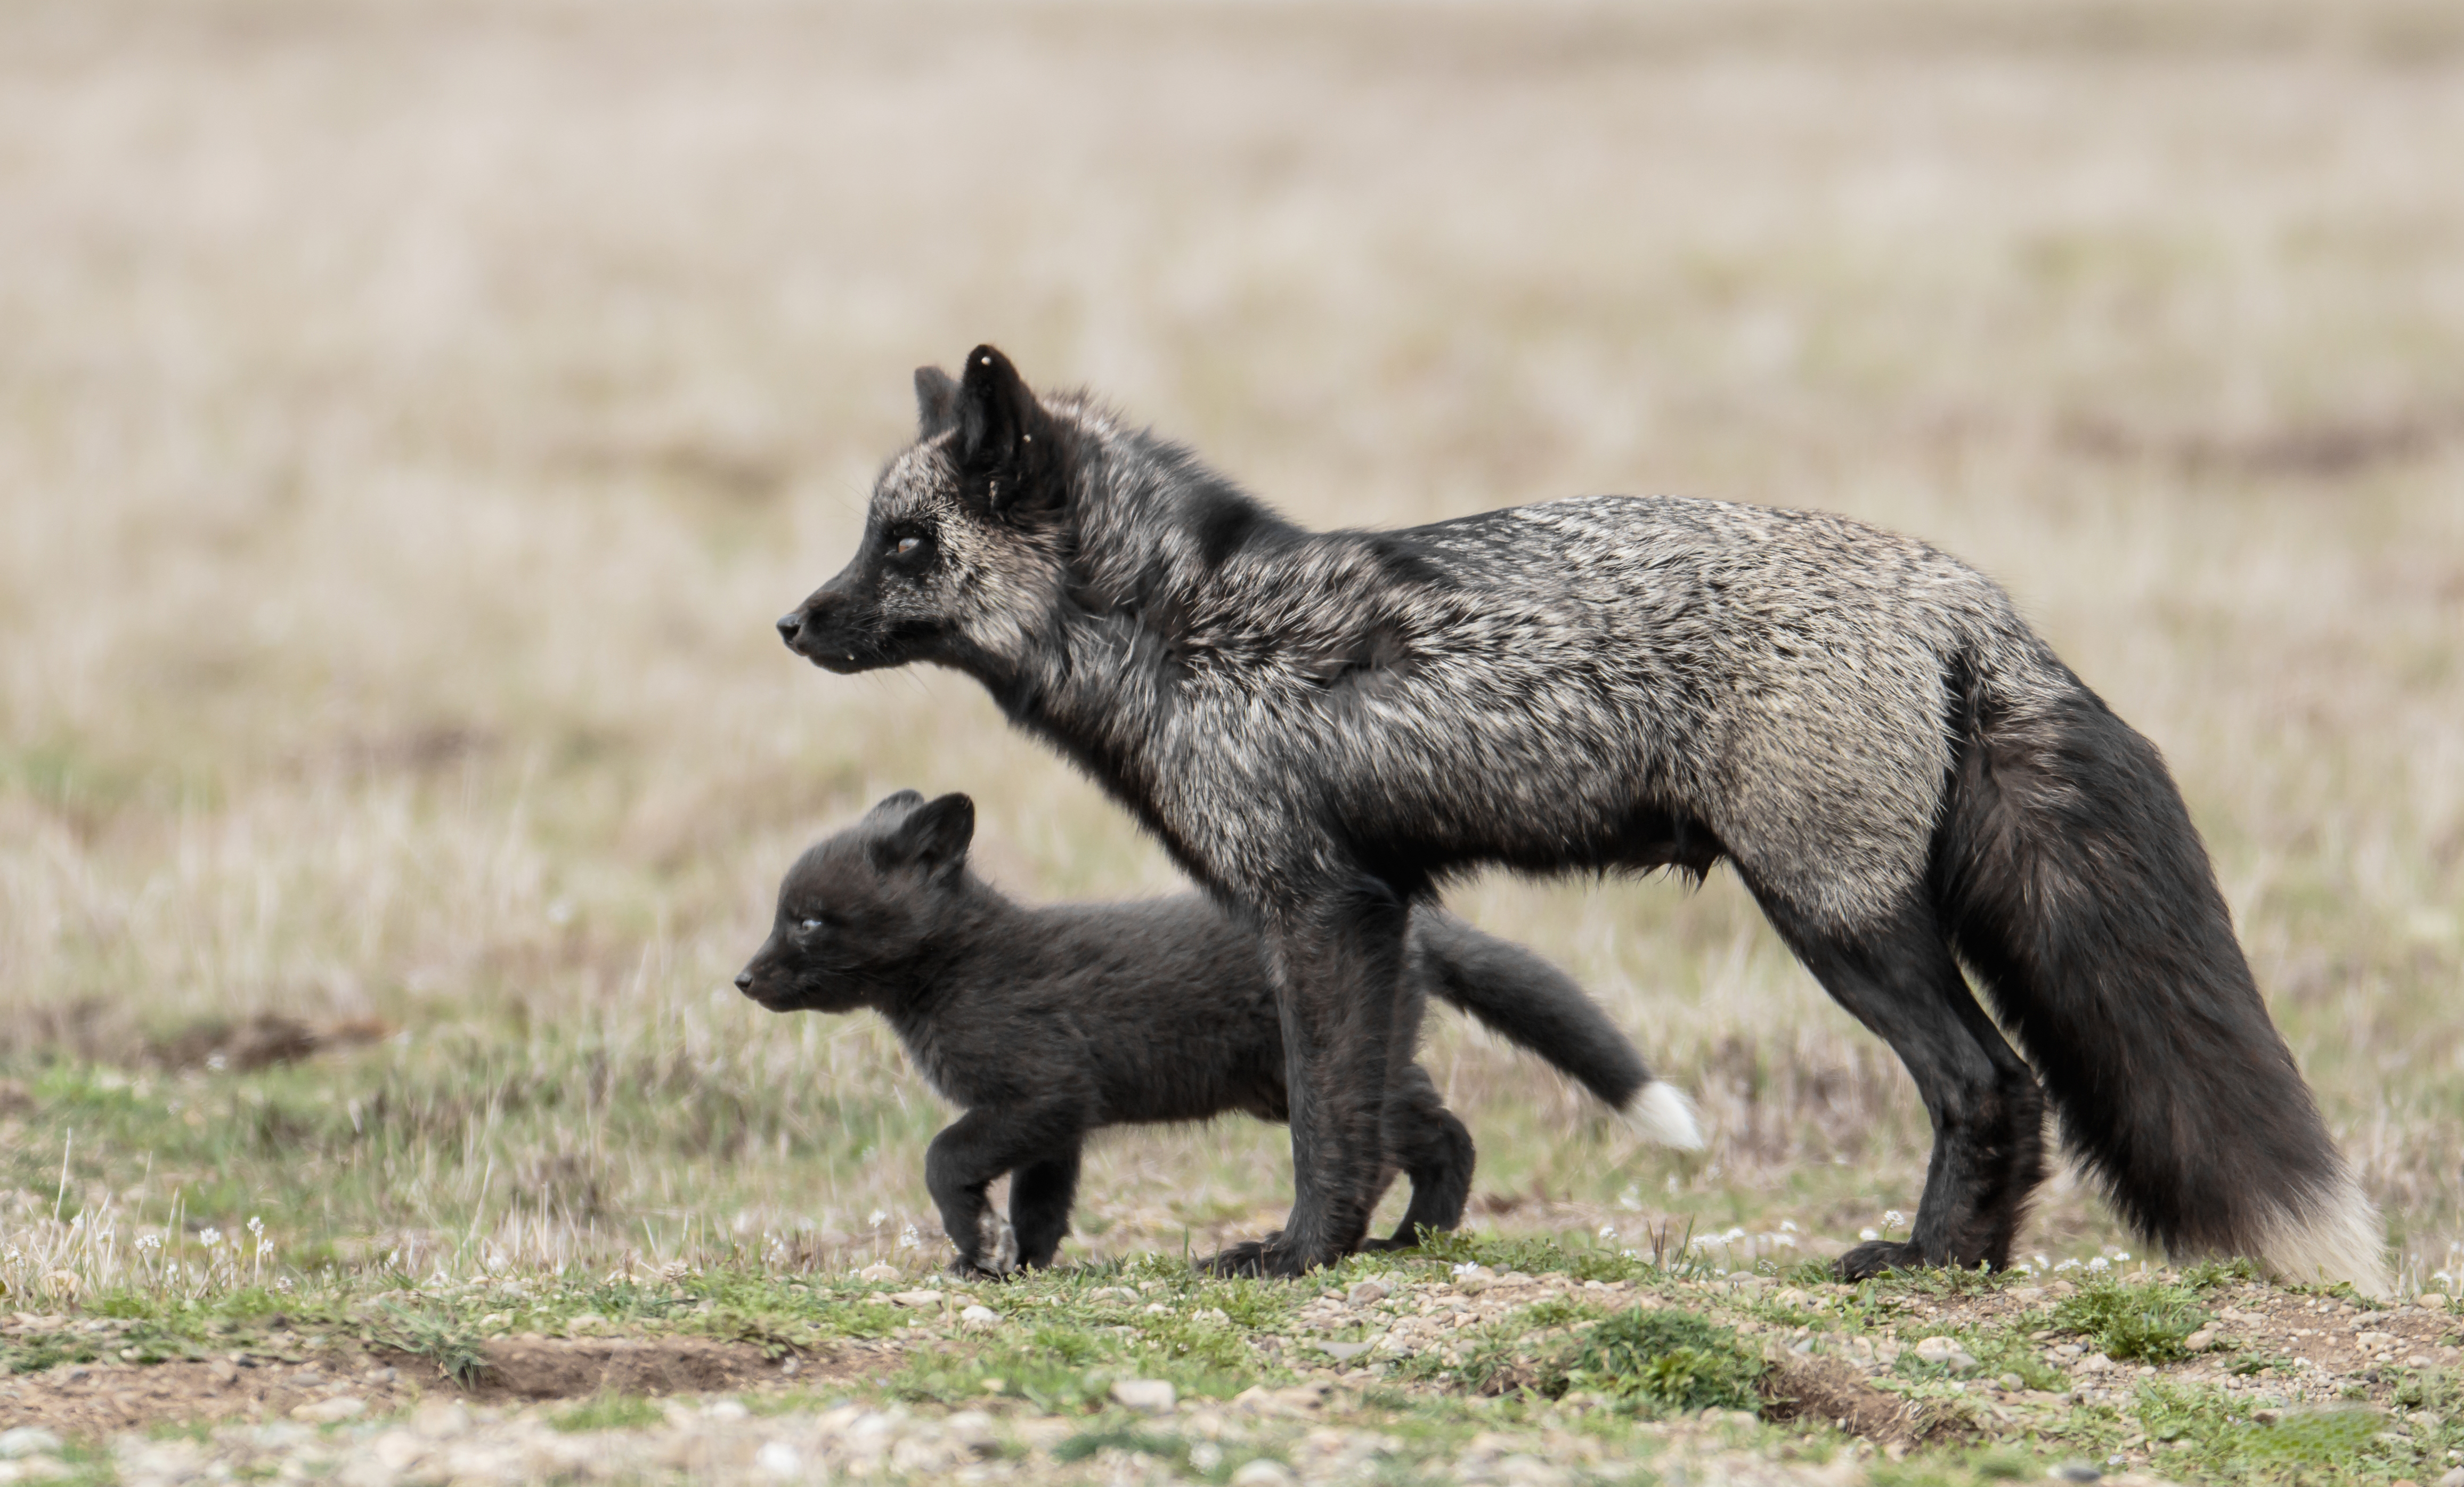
{"x":967,"y":542}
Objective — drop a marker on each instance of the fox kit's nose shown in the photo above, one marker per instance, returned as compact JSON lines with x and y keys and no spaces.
{"x":744,"y":981}
{"x":790,"y":626}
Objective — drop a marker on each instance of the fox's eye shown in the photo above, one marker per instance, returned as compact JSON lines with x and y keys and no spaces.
{"x":809,"y":926}
{"x":907,"y":546}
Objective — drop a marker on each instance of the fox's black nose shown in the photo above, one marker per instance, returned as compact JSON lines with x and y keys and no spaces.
{"x":790,"y":626}
{"x":744,"y":981}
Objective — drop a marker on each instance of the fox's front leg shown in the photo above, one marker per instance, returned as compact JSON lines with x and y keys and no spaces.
{"x":966,"y":1157}
{"x":1338,"y":972}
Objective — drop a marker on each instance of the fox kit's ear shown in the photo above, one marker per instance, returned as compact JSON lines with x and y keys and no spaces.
{"x":1008,"y":457}
{"x":898,"y":803}
{"x":936,"y":403}
{"x":935,"y":836}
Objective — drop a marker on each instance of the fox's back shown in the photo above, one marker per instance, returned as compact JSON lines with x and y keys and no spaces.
{"x":1777,"y":680}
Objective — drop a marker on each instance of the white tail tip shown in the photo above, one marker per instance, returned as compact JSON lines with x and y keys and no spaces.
{"x":1660,"y":1112}
{"x":2340,"y":1240}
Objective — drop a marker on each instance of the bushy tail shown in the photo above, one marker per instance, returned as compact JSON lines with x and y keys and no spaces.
{"x":2078,"y":891}
{"x":1538,"y":1008}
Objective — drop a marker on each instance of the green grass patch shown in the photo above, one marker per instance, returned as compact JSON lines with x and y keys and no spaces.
{"x":1668,"y":1360}
{"x":446,"y":1344}
{"x":1130,"y":1438}
{"x":1532,"y":1256}
{"x":2144,"y":1322}
{"x":609,"y":1413}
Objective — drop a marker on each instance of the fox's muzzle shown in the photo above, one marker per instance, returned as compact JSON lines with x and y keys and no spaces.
{"x":822,"y":630}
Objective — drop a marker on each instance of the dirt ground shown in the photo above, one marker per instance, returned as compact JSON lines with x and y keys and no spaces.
{"x":100,"y":1399}
{"x":2314,"y":1350}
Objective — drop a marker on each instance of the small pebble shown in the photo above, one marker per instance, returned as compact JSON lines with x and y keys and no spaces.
{"x":28,"y":1440}
{"x":1263,"y":1472}
{"x":1147,"y":1396}
{"x":1364,"y":1292}
{"x":330,"y":1411}
{"x":778,"y":1459}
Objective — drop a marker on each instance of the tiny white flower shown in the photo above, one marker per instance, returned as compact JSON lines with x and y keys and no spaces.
{"x":1788,"y":1226}
{"x":1869,"y":1233}
{"x":211,"y":1237}
{"x":1469,"y":1267}
{"x":1608,"y":1231}
{"x":1895,"y":1219}
{"x":2099,"y":1264}
{"x":144,"y":1241}
{"x":2121,"y":1254}
{"x":257,"y":1226}
{"x":877,"y":1217}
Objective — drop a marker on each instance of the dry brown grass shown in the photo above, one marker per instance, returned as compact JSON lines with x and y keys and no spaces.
{"x":412,"y":418}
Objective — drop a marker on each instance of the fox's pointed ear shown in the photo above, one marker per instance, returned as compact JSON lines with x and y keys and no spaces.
{"x":1008,"y":454}
{"x":936,"y":403}
{"x":898,"y":803}
{"x":934,"y":837}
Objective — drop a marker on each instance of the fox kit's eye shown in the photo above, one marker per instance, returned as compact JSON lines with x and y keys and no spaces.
{"x":911,"y":546}
{"x":808,"y":926}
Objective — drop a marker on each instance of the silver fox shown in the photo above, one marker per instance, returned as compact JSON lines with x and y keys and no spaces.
{"x":1323,"y":727}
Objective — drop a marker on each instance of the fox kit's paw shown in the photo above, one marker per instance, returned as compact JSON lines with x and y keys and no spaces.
{"x":996,"y":1245}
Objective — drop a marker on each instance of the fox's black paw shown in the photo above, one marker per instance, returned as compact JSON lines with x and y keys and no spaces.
{"x":1868,"y":1260}
{"x":1265,"y":1256}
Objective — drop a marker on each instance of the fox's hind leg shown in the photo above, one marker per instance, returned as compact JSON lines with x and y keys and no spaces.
{"x":1988,"y":1153}
{"x":1425,"y":1141}
{"x":1041,"y":1194}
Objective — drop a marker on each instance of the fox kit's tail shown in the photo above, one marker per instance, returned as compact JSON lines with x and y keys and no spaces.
{"x":1539,"y":1008}
{"x":2077,"y":889}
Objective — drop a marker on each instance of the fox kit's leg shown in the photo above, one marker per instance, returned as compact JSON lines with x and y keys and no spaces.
{"x":1039,"y":1196}
{"x":979,"y":1146}
{"x":1338,"y":964}
{"x":1433,"y":1148}
{"x":1900,"y":980}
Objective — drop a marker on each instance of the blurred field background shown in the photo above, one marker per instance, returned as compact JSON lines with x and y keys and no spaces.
{"x":412,"y":417}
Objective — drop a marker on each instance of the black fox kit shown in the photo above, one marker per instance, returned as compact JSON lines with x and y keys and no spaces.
{"x":1321,"y":727}
{"x":1045,"y":1024}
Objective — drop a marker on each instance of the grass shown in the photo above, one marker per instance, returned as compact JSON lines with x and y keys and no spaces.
{"x":2137,"y":1323}
{"x":410,"y":427}
{"x":1668,"y":1360}
{"x":1626,"y":1366}
{"x":609,"y":1413}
